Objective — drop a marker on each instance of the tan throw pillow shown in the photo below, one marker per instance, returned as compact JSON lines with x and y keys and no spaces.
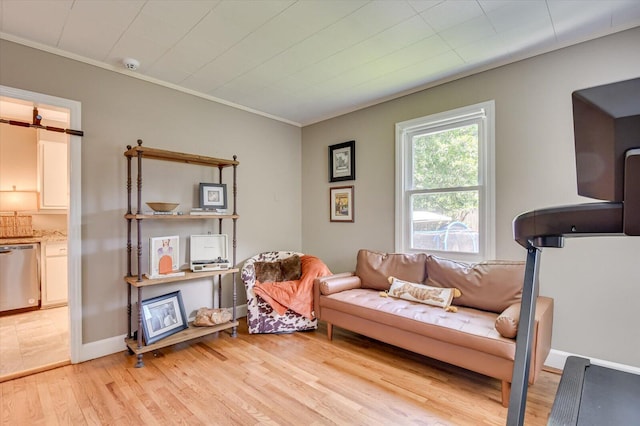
{"x":507,"y":321}
{"x":374,"y":268}
{"x":268,"y":271}
{"x":491,"y":286}
{"x":434,"y":296}
{"x":291,"y":268}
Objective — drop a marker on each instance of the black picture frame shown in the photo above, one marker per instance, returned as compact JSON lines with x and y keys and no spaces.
{"x":163,"y":316}
{"x":342,"y":161}
{"x":213,"y":196}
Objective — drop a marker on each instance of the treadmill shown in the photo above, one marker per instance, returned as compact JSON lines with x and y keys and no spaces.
{"x":607,"y":146}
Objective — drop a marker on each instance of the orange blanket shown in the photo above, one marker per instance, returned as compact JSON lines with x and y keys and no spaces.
{"x":295,"y":295}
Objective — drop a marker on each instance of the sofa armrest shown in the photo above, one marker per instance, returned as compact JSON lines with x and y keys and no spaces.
{"x":337,"y":283}
{"x":507,"y":325}
{"x":542,"y":335}
{"x":332,"y":284}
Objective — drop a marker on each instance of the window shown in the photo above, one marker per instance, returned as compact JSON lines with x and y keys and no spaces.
{"x":445,"y":184}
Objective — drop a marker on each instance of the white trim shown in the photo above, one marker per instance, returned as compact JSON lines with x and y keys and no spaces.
{"x":139,"y":76}
{"x":74,"y":215}
{"x":557,"y":359}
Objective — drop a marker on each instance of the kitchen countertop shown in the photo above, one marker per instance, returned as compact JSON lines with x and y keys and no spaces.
{"x":39,"y":236}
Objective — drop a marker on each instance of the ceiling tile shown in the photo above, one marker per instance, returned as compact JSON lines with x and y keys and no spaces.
{"x":470,"y":31}
{"x":507,"y":15}
{"x":95,"y":25}
{"x":182,"y":15}
{"x":41,"y":22}
{"x":625,"y":13}
{"x":384,"y":43}
{"x":422,"y":5}
{"x":450,"y":13}
{"x":310,"y":59}
{"x":483,"y":51}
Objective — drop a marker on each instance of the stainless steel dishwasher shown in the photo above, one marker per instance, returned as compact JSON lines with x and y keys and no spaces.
{"x":19,"y":277}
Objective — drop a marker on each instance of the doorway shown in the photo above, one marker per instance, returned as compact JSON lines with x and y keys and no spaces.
{"x":59,"y":320}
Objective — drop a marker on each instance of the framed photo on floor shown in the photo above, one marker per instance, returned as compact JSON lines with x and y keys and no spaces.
{"x":341,"y":204}
{"x":163,"y":316}
{"x":342,"y":161}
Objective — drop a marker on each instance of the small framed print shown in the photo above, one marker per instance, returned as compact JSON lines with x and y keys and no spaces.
{"x":341,"y":204}
{"x":342,"y":161}
{"x":163,"y":316}
{"x":164,"y":256}
{"x":213,"y":196}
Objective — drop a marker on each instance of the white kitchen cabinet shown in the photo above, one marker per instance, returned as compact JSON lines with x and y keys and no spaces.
{"x":54,"y":274}
{"x":54,"y":187}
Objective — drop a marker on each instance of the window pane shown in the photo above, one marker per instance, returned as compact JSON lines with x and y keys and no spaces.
{"x":446,"y":159}
{"x":445,"y":221}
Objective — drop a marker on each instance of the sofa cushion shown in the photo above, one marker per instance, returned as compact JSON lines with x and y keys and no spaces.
{"x":421,"y":293}
{"x":469,"y":328}
{"x":375,"y":268}
{"x":507,"y":321}
{"x":491,"y":286}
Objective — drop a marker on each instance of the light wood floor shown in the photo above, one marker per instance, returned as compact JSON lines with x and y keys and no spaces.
{"x":31,"y":341}
{"x":289,"y":379}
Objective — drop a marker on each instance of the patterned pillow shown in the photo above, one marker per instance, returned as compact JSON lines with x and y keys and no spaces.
{"x":289,"y":269}
{"x":421,"y":293}
{"x":268,"y":271}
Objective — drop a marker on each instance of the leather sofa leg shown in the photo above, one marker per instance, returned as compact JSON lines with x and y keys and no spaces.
{"x":330,"y":331}
{"x":506,"y":392}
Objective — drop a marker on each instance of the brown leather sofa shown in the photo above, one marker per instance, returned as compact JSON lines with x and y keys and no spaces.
{"x":479,"y":336}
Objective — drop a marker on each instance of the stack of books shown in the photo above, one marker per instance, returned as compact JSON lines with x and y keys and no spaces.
{"x":152,"y":212}
{"x":207,"y":212}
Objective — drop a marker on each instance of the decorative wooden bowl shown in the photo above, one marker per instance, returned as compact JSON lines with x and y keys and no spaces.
{"x":163,"y":207}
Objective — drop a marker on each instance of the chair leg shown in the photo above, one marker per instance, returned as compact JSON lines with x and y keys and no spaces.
{"x":506,"y":392}
{"x":330,"y":331}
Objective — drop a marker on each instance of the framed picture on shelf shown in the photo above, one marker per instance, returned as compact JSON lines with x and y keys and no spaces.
{"x":213,"y":196}
{"x":342,"y":161}
{"x":341,"y":204}
{"x":163,"y":316}
{"x":164,"y":256}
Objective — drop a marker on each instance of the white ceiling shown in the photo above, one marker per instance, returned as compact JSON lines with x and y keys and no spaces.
{"x":307,"y":60}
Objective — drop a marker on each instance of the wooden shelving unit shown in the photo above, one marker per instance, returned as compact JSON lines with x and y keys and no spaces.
{"x":189,"y":334}
{"x":138,"y":281}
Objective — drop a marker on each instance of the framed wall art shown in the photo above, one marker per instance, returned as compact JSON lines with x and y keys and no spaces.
{"x":342,"y":161}
{"x":164,"y":256}
{"x":213,"y":196}
{"x":163,"y":316}
{"x":341,"y":204}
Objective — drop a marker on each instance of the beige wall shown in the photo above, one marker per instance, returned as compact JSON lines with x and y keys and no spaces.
{"x":116,"y":111}
{"x":594,"y":281}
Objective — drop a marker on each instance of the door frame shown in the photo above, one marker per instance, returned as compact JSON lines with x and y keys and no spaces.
{"x":74,"y":240}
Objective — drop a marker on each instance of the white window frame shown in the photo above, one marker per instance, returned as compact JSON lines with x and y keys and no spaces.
{"x":486,"y":176}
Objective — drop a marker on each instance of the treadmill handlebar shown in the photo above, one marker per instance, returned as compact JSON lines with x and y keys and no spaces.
{"x":547,"y":227}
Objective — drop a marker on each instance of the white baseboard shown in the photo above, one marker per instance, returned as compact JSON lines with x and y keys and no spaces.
{"x":112,"y":345}
{"x":557,"y":359}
